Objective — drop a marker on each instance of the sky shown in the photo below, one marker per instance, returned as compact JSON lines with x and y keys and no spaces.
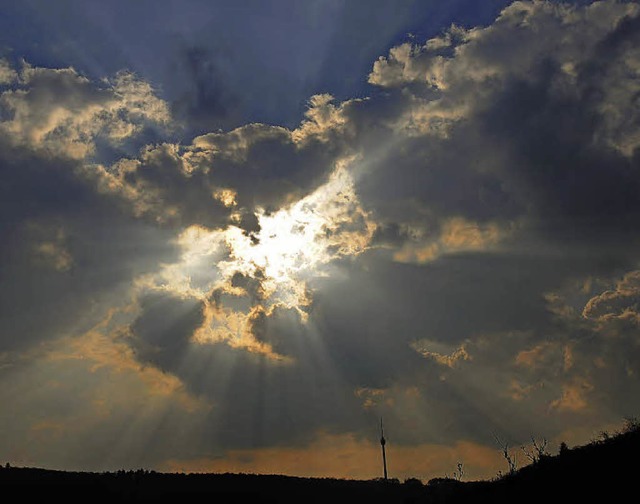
{"x":235,"y":235}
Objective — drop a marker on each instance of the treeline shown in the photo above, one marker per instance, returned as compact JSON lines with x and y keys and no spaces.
{"x":603,"y":469}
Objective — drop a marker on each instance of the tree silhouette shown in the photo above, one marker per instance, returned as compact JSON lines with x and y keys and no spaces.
{"x":512,"y":459}
{"x":537,"y":451}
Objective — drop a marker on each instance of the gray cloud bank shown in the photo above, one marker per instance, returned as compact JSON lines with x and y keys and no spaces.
{"x":498,"y":292}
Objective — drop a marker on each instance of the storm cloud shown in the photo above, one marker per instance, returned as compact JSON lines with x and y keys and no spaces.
{"x":455,"y":250}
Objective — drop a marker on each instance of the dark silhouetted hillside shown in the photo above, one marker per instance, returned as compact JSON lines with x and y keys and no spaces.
{"x":602,"y":471}
{"x":605,"y":469}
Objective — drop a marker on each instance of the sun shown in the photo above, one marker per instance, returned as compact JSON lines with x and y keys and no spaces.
{"x":293,"y":246}
{"x":288,"y":247}
{"x":295,"y":243}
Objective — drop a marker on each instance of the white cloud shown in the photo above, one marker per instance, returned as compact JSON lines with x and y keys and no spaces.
{"x":463,"y":68}
{"x":323,"y":121}
{"x":63,"y":112}
{"x":7,"y":74}
{"x":542,"y":29}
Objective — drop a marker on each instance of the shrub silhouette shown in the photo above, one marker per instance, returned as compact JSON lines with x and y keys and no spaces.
{"x":537,"y":451}
{"x":563,"y":449}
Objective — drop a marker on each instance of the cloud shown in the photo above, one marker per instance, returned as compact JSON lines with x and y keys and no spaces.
{"x":456,"y":251}
{"x":7,"y":74}
{"x":95,"y":406}
{"x":585,"y":358}
{"x":62,"y":112}
{"x":573,"y":397}
{"x":163,"y":187}
{"x":228,"y":178}
{"x":486,"y":166}
{"x":456,"y":235}
{"x":461,"y":57}
{"x":164,"y":327}
{"x":621,"y":302}
{"x":527,"y":129}
{"x":249,"y":314}
{"x":68,"y":252}
{"x":451,"y":359}
{"x":242,"y":279}
{"x":50,"y":247}
{"x":349,"y":456}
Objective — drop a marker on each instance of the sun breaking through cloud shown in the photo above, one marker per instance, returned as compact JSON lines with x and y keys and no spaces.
{"x":239,"y":275}
{"x":249,"y":237}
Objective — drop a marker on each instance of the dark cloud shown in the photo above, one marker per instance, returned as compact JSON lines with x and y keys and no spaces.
{"x":499,"y":291}
{"x":266,"y":165}
{"x":168,"y":191}
{"x":68,"y":252}
{"x":162,"y":331}
{"x":262,"y":167}
{"x":65,"y":250}
{"x":541,"y":143}
{"x":198,"y":79}
{"x":252,"y":285}
{"x":370,"y":319}
{"x":258,"y":401}
{"x":525,"y":148}
{"x":439,"y":177}
{"x":356,"y":338}
{"x":576,"y":189}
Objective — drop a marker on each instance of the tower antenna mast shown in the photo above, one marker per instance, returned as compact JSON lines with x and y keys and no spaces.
{"x":383,"y":442}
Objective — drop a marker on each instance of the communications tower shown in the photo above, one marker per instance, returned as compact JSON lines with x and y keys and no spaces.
{"x":383,"y":442}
